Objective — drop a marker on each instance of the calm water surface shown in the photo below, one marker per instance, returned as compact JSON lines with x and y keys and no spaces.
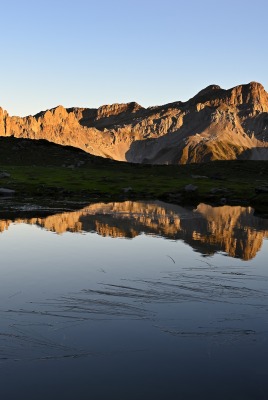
{"x":134,"y":300}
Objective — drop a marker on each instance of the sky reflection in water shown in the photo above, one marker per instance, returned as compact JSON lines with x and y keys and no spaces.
{"x":92,"y":314}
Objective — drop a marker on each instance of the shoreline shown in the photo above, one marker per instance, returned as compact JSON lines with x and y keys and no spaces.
{"x":218,"y":183}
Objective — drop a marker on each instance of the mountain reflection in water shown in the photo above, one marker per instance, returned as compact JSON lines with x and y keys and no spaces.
{"x":234,"y":230}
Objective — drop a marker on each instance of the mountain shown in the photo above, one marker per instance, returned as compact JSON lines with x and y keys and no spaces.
{"x":216,"y":124}
{"x":233,"y":230}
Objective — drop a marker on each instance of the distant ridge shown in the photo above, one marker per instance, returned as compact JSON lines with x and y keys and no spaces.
{"x":215,"y":124}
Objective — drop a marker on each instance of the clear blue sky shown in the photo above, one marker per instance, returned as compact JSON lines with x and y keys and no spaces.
{"x":94,"y":52}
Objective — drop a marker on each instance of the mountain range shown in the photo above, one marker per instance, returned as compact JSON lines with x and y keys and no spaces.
{"x":216,"y":124}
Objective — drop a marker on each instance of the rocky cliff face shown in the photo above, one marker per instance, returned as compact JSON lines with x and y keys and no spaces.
{"x":216,"y":124}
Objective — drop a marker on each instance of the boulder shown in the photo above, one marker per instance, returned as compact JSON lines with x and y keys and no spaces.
{"x":127,"y":189}
{"x":199,"y":177}
{"x":218,"y":190}
{"x":6,"y":192}
{"x":261,"y":189}
{"x":190,"y":188}
{"x":4,"y":175}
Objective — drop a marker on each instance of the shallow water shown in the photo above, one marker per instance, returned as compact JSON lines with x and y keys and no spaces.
{"x":134,"y":300}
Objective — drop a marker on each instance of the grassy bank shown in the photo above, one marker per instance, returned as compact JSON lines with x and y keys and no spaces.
{"x":231,"y":182}
{"x":45,"y":172}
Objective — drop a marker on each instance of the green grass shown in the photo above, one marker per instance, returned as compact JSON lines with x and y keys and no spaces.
{"x":41,"y":169}
{"x":239,"y":178}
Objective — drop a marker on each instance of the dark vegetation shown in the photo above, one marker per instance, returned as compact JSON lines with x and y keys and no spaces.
{"x":45,"y":171}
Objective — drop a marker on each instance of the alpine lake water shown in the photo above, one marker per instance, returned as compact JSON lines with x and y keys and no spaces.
{"x":133,"y":300}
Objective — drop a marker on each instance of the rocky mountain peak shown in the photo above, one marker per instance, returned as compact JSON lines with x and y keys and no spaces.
{"x":115,"y":109}
{"x":208,"y":90}
{"x":258,"y":93}
{"x":252,"y":94}
{"x":256,"y":86}
{"x":216,"y":124}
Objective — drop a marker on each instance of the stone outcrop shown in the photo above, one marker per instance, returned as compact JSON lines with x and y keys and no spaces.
{"x":216,"y":124}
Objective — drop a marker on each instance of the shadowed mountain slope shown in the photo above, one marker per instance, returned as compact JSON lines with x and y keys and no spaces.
{"x":216,"y":124}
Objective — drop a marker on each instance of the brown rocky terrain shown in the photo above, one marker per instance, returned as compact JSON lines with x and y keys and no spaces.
{"x":216,"y":124}
{"x":233,"y":230}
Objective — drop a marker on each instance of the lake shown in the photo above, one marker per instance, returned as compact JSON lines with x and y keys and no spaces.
{"x":133,"y":300}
